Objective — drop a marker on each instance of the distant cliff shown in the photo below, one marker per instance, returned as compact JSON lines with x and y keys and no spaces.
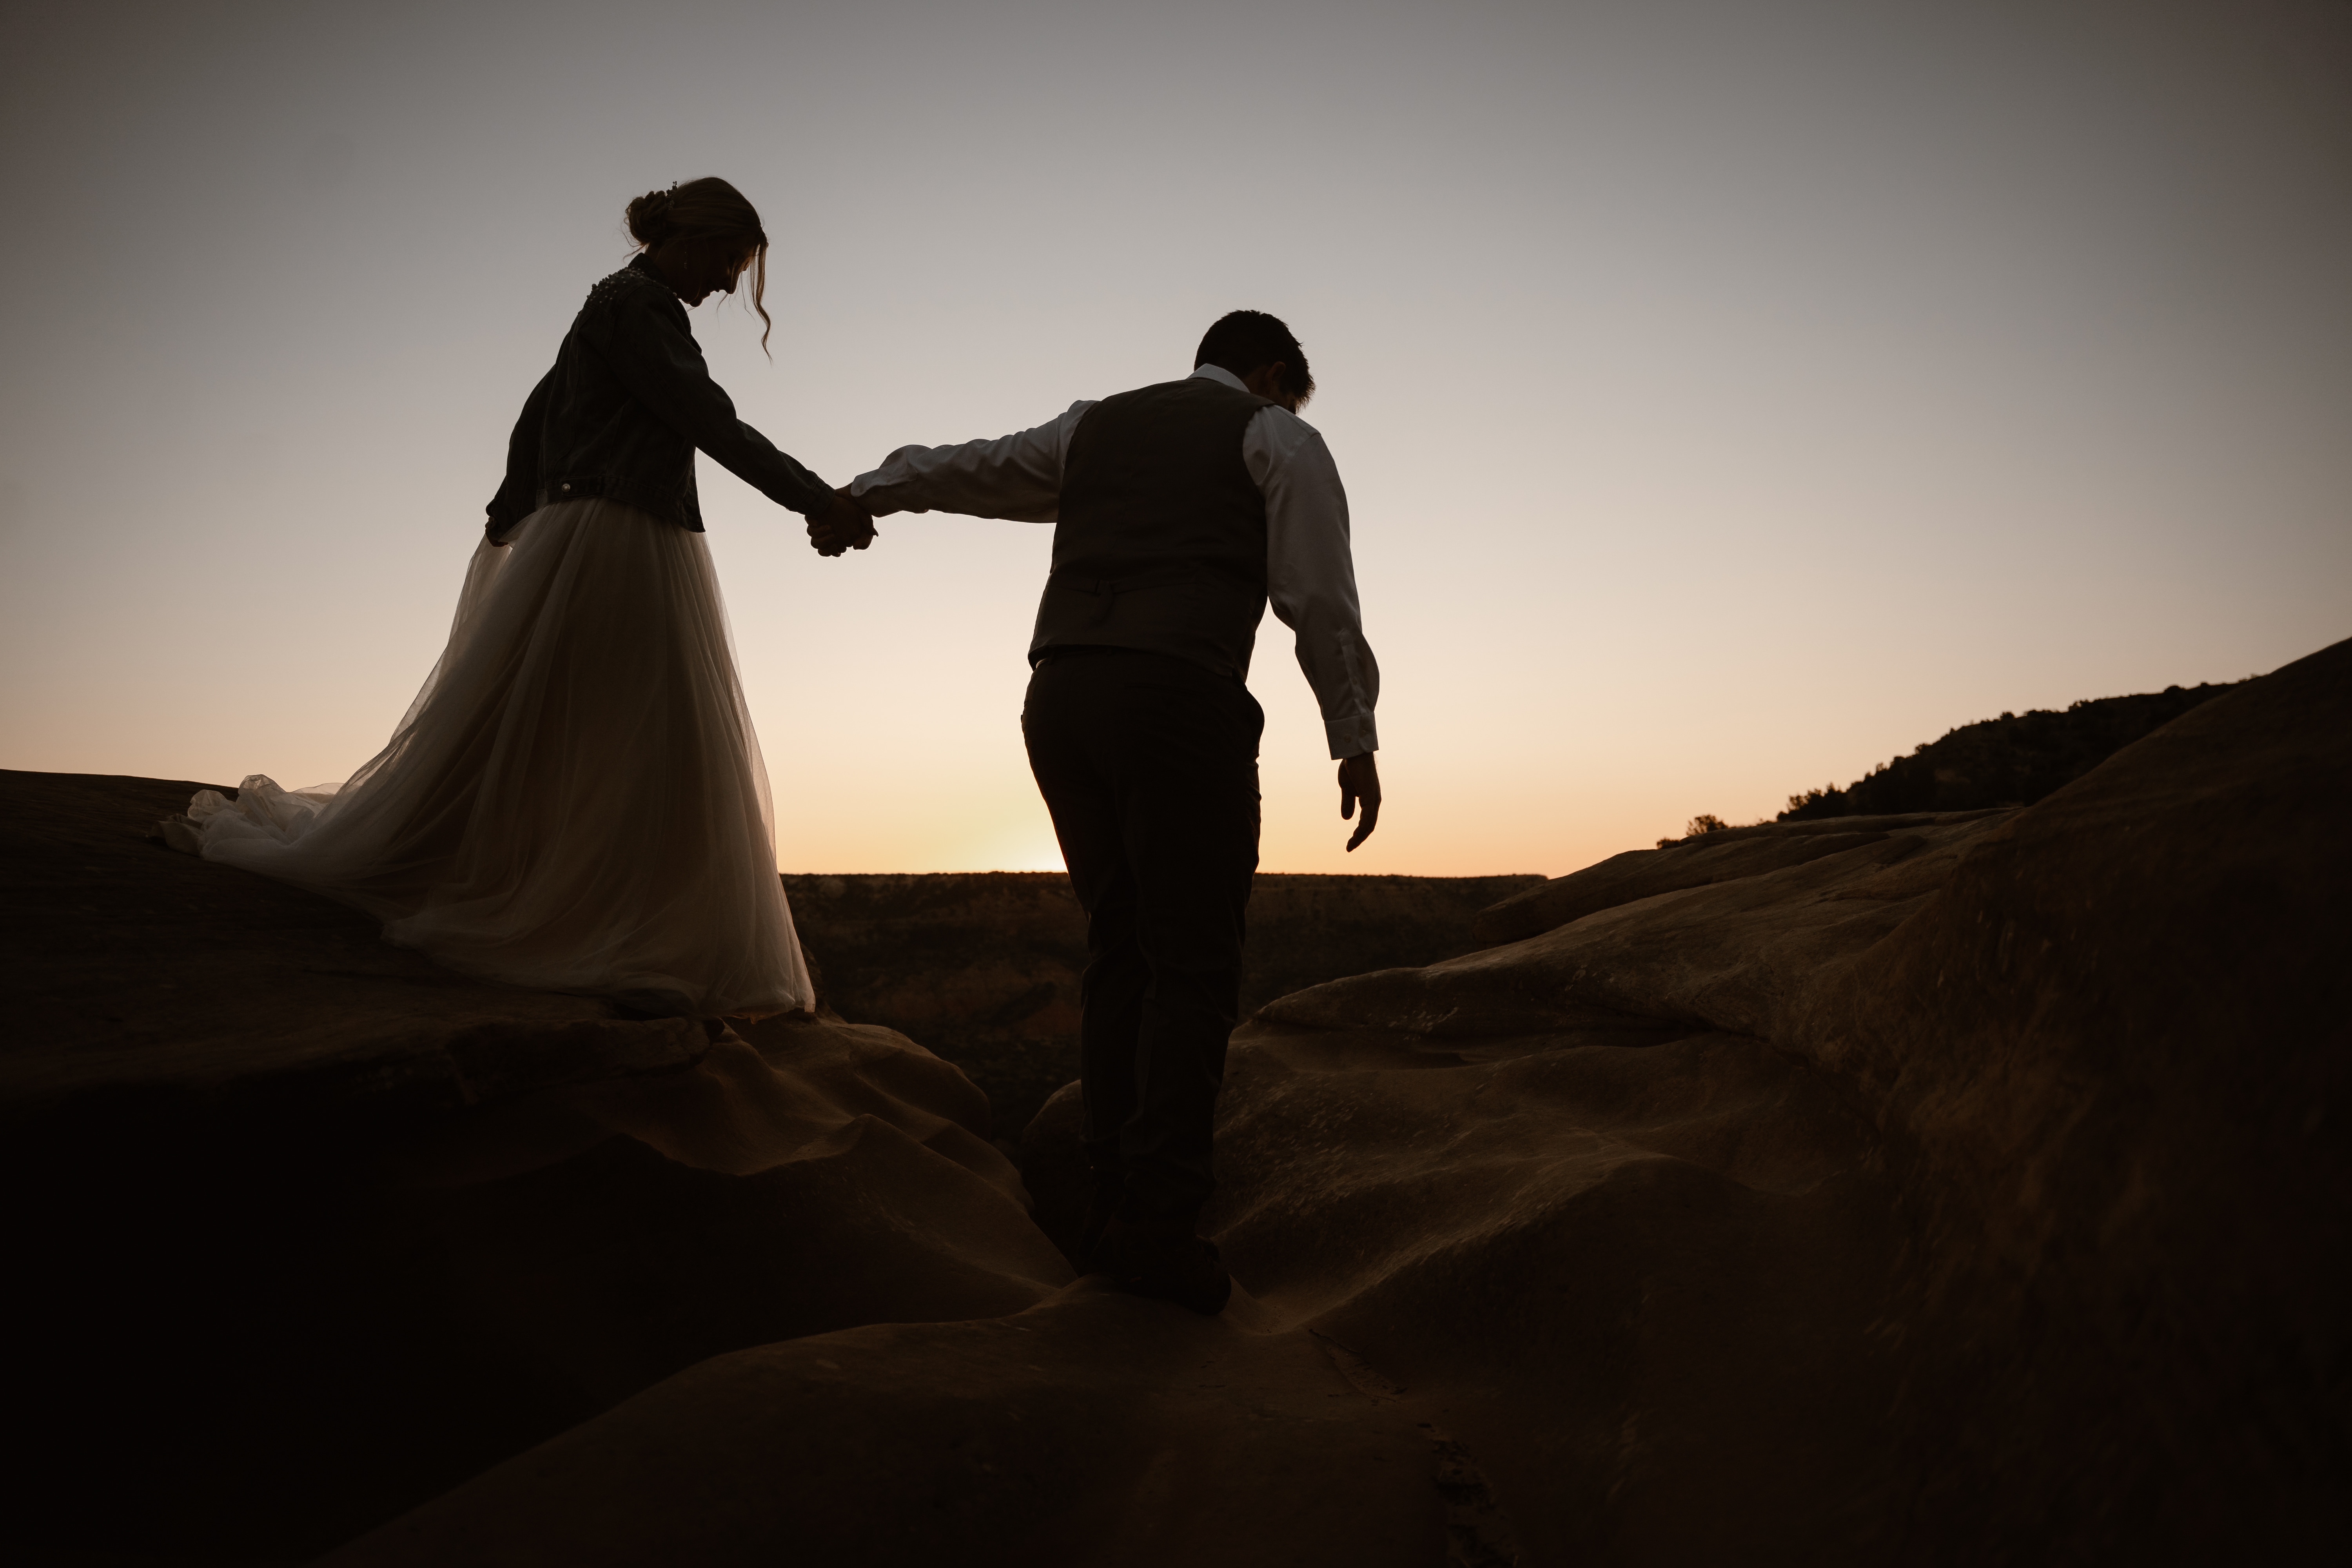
{"x":983,"y":966}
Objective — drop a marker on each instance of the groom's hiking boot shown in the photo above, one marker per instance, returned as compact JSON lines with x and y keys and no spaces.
{"x":1147,"y":1256}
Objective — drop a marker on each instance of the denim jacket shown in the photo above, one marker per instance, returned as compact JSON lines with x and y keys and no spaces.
{"x":623,"y":411}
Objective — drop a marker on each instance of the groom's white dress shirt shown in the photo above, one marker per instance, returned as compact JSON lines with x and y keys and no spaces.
{"x":1310,"y":573}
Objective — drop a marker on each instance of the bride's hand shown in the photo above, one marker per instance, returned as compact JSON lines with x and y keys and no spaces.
{"x":843,"y":525}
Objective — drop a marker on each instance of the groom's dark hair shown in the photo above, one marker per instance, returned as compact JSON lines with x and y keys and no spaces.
{"x":1244,"y":341}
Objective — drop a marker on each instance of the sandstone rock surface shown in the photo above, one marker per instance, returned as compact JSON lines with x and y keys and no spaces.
{"x":1930,"y":1189}
{"x":1959,"y":1190}
{"x":293,"y":1319}
{"x":1091,"y":1428}
{"x":320,"y":1232}
{"x":130,"y":968}
{"x":1726,"y":854}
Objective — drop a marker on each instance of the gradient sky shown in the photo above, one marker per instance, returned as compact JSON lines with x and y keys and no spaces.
{"x":1731,"y":393}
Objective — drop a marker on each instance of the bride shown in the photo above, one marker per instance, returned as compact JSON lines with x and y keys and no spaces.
{"x":576,"y":801}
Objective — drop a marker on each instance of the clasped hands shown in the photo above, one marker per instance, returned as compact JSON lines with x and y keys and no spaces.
{"x":842,"y":526}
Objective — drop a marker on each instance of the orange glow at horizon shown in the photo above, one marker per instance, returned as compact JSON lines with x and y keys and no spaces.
{"x":1730,"y":397}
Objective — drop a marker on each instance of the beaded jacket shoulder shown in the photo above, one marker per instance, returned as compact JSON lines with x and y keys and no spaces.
{"x":609,"y":288}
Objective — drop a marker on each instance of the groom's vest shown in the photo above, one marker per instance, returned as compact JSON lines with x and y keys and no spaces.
{"x":1161,"y":542}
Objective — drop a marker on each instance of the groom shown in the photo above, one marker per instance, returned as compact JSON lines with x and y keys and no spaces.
{"x":1181,"y":510}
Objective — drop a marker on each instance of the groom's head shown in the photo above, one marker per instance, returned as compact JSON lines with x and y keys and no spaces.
{"x":1259,"y":349}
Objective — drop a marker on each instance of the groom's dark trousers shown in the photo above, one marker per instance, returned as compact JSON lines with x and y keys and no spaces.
{"x":1148,"y":765}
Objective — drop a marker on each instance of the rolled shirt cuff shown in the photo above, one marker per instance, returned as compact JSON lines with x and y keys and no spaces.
{"x":1351,"y":737}
{"x":872,"y":480}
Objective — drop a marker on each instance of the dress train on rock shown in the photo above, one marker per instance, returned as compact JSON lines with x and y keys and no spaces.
{"x":576,"y":801}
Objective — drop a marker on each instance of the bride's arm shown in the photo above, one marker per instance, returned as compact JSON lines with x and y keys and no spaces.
{"x":1017,"y":476}
{"x":658,"y":360}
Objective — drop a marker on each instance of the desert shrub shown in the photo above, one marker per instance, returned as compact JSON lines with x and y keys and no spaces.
{"x":1706,"y":822}
{"x":2014,"y":760}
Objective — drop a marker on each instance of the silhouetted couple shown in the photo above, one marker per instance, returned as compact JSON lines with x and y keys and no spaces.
{"x":576,"y":800}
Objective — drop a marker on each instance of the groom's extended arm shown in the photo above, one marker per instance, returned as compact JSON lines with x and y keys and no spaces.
{"x":1017,"y":476}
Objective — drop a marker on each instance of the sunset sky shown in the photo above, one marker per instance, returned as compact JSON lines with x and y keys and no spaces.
{"x":1730,"y":394}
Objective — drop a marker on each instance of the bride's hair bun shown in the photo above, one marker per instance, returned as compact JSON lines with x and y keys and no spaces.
{"x":712,"y":212}
{"x":650,"y":222}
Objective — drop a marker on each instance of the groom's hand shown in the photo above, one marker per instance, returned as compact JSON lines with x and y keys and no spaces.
{"x":1360,"y":783}
{"x":843,"y":525}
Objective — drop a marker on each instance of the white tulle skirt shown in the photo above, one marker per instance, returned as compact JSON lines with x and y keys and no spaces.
{"x":576,"y":801}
